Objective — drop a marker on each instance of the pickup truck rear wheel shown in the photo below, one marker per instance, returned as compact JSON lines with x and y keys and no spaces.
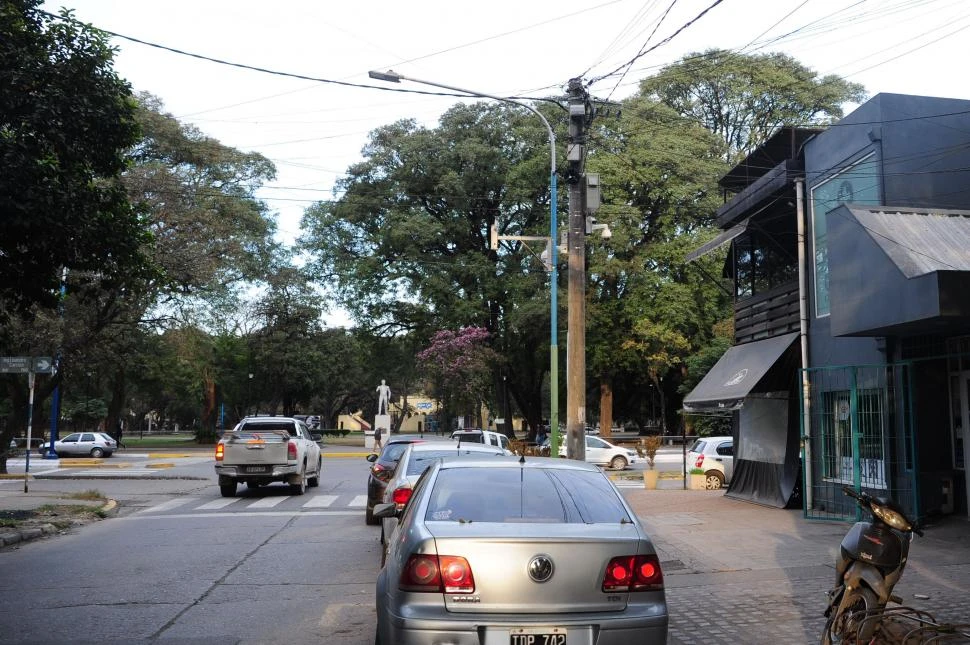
{"x":300,"y":487}
{"x":315,"y":480}
{"x":228,"y":489}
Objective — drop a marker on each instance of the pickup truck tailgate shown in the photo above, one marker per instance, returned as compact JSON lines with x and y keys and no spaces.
{"x":255,"y":448}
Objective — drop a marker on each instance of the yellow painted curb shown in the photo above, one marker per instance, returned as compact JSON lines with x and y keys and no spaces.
{"x":15,"y":476}
{"x":91,"y":463}
{"x":169,"y":455}
{"x":160,"y":466}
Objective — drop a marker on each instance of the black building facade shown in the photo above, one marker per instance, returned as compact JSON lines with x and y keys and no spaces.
{"x":850,"y":259}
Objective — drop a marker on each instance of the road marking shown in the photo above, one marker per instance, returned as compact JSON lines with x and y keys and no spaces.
{"x":267,"y":502}
{"x":360,"y":500}
{"x":320,"y":501}
{"x":170,"y":504}
{"x":207,"y":516}
{"x":217,"y":503}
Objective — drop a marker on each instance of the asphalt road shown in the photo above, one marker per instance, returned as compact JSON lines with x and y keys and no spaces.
{"x":181,"y":564}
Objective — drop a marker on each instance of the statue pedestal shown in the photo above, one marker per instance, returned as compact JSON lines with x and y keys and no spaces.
{"x":382,"y":421}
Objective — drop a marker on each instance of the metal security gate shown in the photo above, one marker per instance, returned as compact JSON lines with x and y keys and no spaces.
{"x":861,"y":434}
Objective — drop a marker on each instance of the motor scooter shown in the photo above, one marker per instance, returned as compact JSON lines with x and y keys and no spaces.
{"x":870,"y":563}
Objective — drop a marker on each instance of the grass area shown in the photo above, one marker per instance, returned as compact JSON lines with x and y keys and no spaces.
{"x":160,"y":441}
{"x":90,"y":494}
{"x":60,"y":515}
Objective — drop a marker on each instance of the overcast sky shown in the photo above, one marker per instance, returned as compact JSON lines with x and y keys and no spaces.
{"x":314,"y":130}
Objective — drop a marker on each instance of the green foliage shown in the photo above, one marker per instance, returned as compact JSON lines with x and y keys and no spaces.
{"x":66,"y":121}
{"x":744,"y":98}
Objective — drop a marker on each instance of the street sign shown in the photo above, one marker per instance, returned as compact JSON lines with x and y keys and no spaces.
{"x":15,"y":364}
{"x":26,"y":364}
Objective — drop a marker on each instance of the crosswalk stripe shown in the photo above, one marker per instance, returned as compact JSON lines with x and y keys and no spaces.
{"x":360,"y":500}
{"x":217,"y":503}
{"x":170,"y":504}
{"x":320,"y":501}
{"x":267,"y":502}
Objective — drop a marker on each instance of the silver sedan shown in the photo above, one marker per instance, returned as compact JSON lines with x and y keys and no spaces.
{"x":518,"y":551}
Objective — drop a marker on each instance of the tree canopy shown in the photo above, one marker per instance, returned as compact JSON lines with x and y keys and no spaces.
{"x":744,"y":98}
{"x":66,"y":122}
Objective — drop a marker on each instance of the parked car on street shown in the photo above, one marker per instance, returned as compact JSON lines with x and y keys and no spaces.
{"x":417,"y":457}
{"x":87,"y":444}
{"x":382,"y":469}
{"x":602,"y":453}
{"x":518,"y":551}
{"x":715,"y":456}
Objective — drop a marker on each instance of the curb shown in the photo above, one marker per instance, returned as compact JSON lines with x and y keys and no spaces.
{"x":18,"y":536}
{"x":348,"y":454}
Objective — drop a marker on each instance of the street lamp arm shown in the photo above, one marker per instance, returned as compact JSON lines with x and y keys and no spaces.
{"x":393,"y":77}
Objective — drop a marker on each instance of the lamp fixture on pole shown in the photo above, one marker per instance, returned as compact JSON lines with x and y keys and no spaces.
{"x":552,"y":266}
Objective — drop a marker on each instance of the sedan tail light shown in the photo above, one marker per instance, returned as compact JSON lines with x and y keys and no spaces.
{"x":401,"y":495}
{"x":291,"y":450}
{"x":633,"y":573}
{"x":382,"y":473}
{"x":220,"y":451}
{"x":700,"y":462}
{"x":437,"y":574}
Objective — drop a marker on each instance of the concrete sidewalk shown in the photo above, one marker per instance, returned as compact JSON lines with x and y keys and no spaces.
{"x":737,"y":572}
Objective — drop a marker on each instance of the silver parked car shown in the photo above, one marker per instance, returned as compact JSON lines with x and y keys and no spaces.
{"x":415,"y":459}
{"x":518,"y":551}
{"x":94,"y":444}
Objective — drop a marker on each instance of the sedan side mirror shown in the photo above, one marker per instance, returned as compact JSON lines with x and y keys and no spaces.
{"x":372,"y":457}
{"x":386,"y":510}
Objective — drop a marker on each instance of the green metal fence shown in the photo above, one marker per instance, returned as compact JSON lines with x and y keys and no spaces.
{"x":861,"y":434}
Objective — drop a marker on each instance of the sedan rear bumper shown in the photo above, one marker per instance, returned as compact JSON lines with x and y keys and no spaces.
{"x":478,"y":629}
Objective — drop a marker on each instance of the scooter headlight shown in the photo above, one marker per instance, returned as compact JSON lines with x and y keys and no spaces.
{"x":892,"y":518}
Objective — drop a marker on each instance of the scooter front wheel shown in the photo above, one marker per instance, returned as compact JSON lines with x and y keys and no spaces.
{"x":856,"y":621}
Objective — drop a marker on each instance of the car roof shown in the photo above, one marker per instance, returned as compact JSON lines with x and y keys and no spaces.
{"x":525,"y":462}
{"x":448,"y":445}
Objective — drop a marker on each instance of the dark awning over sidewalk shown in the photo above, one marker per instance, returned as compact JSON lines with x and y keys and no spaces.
{"x":723,"y":238}
{"x":737,"y":374}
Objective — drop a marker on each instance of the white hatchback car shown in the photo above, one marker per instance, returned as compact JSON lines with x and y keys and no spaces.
{"x":94,"y":444}
{"x":605,"y":454}
{"x":715,"y":456}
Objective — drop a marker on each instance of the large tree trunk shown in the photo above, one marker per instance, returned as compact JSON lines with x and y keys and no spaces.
{"x":606,"y":406}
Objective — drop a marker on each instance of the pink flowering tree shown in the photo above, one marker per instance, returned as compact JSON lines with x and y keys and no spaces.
{"x":459,"y":366}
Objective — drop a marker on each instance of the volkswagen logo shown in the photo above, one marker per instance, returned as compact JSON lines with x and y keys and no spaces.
{"x":541,"y":568}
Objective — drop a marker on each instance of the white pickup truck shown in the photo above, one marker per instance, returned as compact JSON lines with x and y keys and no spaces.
{"x":261,"y":450}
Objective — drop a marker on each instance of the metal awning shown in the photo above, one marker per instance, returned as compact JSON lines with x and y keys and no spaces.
{"x":737,"y":374}
{"x":720,"y":240}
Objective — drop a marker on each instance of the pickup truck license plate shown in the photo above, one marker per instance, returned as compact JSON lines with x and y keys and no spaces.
{"x":538,"y":636}
{"x":257,"y":469}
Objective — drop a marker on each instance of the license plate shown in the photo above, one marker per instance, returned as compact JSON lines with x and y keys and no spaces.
{"x":257,"y":469}
{"x":537,"y":636}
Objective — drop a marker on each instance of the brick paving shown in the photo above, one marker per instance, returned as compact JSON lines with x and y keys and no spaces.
{"x":737,"y":572}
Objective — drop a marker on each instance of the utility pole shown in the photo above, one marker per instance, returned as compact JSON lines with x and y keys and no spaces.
{"x":576,"y":243}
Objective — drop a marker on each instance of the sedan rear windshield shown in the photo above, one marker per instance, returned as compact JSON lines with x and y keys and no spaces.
{"x":420,"y":460}
{"x":516,"y":494}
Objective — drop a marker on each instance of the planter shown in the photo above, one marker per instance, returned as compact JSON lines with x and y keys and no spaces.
{"x":650,"y":478}
{"x":698,"y":482}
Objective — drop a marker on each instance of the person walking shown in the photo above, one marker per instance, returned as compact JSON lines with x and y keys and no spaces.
{"x":378,"y":444}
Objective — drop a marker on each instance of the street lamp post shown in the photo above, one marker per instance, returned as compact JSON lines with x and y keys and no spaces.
{"x":394,"y":77}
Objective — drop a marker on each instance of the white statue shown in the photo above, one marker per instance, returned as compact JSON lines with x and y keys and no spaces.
{"x":383,"y":397}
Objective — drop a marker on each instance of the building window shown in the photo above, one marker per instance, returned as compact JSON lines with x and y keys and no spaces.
{"x":858,"y":184}
{"x":763,"y":259}
{"x":837,"y":454}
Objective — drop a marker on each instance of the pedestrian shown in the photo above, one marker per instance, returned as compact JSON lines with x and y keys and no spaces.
{"x":119,"y":429}
{"x":378,"y":445}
